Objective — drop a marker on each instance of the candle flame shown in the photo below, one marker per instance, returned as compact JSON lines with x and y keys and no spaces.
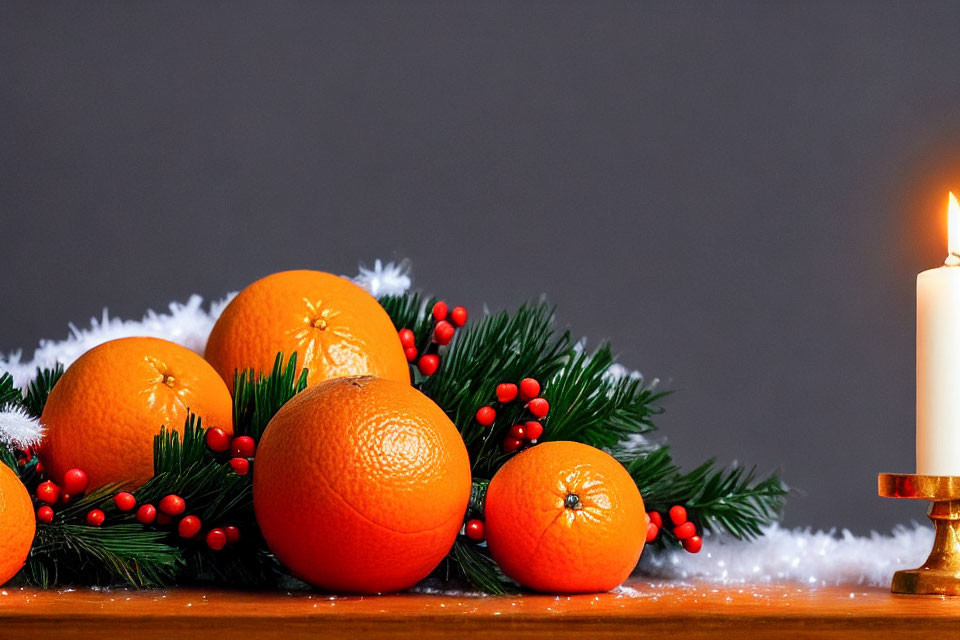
{"x":953,"y":230}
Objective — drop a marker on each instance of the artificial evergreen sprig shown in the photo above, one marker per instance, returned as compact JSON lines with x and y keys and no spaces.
{"x":257,"y":396}
{"x":37,"y":391}
{"x":732,"y":501}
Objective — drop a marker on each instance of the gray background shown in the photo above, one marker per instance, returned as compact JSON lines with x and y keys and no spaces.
{"x":739,"y":195}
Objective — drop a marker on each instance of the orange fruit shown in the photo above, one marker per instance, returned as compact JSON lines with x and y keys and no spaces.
{"x":103,"y":414}
{"x":361,"y":484}
{"x":336,"y":328}
{"x":565,"y":517}
{"x":17,"y":522}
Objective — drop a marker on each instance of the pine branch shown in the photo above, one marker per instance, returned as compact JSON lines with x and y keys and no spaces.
{"x":257,"y":399}
{"x":82,"y":555}
{"x":69,"y":552}
{"x":37,"y":392}
{"x":587,"y":405}
{"x":732,"y":500}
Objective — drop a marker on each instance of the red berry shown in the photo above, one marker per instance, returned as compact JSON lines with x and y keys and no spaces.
{"x":164,"y":519}
{"x":75,"y":481}
{"x":407,"y":339}
{"x":506,"y":392}
{"x":474,"y":529}
{"x":45,"y":514}
{"x":95,"y":517}
{"x":240,"y":466}
{"x":511,"y":444}
{"x":216,"y":539}
{"x":429,"y":364}
{"x":529,"y":389}
{"x":652,"y":531}
{"x":458,"y":316}
{"x":411,"y":353}
{"x":656,"y":519}
{"x":48,"y":492}
{"x":534,"y":430}
{"x":233,"y":534}
{"x":172,"y":505}
{"x":685,"y":530}
{"x":539,"y":407}
{"x":146,"y":514}
{"x":486,"y":416}
{"x":242,"y":447}
{"x":124,"y":501}
{"x":38,"y":467}
{"x":443,"y":332}
{"x":188,"y":526}
{"x":518,"y":431}
{"x":440,"y":310}
{"x":693,"y":544}
{"x":678,"y":515}
{"x":218,"y":440}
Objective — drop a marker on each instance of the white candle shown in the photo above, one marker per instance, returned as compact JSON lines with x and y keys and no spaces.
{"x":938,"y":359}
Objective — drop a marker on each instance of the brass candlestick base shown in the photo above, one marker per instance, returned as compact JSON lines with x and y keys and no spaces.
{"x":940,"y":574}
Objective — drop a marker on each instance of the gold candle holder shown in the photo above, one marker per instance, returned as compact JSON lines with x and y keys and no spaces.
{"x":940,"y":574}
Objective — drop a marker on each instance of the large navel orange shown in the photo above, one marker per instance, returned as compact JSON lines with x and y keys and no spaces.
{"x":103,"y":414}
{"x":361,"y":484}
{"x":17,"y":523}
{"x":336,"y":328}
{"x":564,"y":517}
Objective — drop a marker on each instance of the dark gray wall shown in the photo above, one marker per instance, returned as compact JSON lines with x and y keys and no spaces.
{"x":738,"y":194}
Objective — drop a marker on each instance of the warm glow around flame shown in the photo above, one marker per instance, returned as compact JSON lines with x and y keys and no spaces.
{"x":953,"y":226}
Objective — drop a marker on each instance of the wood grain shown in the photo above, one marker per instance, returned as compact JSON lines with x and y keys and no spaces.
{"x":641,"y":609}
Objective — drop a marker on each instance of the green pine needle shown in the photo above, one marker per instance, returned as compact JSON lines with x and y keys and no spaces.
{"x":36,"y":393}
{"x":587,"y":405}
{"x":9,"y":394}
{"x":733,"y":500}
{"x":258,"y":397}
{"x":470,"y":563}
{"x":411,"y":311}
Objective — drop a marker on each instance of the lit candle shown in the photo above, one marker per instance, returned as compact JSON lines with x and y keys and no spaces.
{"x":938,"y":359}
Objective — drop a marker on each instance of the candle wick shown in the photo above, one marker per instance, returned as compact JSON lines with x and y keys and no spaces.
{"x":953,"y":260}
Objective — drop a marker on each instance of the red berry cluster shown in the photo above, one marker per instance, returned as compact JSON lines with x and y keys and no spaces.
{"x":683,"y":529}
{"x":446,"y":322}
{"x":528,"y":392}
{"x":75,"y":483}
{"x":171,"y":506}
{"x":240,"y":448}
{"x":49,"y":492}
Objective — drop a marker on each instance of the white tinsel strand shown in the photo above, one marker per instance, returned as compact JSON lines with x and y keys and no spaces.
{"x":18,"y":429}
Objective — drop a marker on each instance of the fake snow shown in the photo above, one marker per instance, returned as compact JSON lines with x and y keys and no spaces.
{"x":814,"y":558}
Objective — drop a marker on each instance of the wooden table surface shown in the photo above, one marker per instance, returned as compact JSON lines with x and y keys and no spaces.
{"x":639,"y":609}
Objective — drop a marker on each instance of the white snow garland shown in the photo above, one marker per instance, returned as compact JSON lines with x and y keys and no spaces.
{"x":19,"y":429}
{"x":816,"y":558}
